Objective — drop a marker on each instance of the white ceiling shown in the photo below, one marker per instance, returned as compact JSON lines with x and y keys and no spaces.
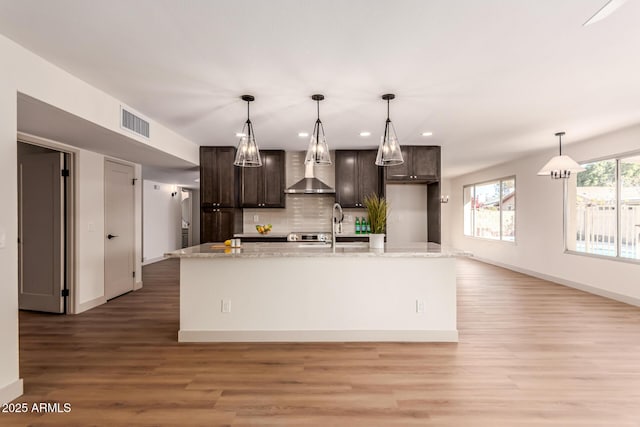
{"x":492,"y":79}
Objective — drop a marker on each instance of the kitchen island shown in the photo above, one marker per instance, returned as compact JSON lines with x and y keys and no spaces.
{"x":304,"y":292}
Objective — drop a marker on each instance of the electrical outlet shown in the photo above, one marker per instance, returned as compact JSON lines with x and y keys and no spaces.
{"x":256,"y":219}
{"x":226,"y":306}
{"x":419,"y":306}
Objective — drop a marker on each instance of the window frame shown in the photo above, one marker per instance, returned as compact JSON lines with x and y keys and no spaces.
{"x":473,"y":216}
{"x":565,"y":202}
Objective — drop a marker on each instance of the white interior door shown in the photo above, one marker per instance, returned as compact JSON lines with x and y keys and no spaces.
{"x":40,"y":229}
{"x":119,"y":229}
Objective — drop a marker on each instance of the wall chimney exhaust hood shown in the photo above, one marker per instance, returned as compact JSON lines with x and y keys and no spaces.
{"x":309,"y":184}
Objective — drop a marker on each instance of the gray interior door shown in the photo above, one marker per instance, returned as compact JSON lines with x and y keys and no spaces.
{"x":119,"y":228}
{"x":40,"y":229}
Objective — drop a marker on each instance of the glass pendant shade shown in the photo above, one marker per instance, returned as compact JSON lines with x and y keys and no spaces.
{"x":247,"y":153}
{"x":389,"y":152}
{"x":318,"y":150}
{"x":561,"y":166}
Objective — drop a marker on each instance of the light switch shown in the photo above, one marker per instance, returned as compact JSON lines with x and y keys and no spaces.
{"x":91,"y":226}
{"x":3,"y":238}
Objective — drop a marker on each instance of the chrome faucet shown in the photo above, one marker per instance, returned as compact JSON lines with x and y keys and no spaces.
{"x":336,"y":222}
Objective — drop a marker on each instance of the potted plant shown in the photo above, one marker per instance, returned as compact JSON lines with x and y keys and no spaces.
{"x":378,"y":211}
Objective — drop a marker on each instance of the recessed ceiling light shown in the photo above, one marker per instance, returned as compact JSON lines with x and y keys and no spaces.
{"x":427,"y":133}
{"x":365,"y":133}
{"x":197,"y":180}
{"x":240,"y":134}
{"x":303,"y":134}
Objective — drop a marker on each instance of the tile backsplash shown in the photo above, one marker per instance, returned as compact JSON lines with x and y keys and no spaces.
{"x":304,"y":212}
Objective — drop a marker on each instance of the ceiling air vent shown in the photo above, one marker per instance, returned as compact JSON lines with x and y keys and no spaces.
{"x":134,"y":123}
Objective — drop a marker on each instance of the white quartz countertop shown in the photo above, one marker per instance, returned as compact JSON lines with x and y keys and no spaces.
{"x":297,"y":249}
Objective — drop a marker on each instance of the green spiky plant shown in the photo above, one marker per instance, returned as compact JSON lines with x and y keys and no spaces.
{"x":378,"y":211}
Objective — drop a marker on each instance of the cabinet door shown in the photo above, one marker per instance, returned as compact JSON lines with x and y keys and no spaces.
{"x":347,"y":178}
{"x":208,"y":226}
{"x":400,"y":172}
{"x":226,"y":224}
{"x":273,"y":176}
{"x":226,"y":176}
{"x":208,"y":180}
{"x":426,"y":162}
{"x":433,"y":212}
{"x":251,"y":186}
{"x":368,"y":175}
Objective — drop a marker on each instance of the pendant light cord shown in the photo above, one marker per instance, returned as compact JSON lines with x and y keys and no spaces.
{"x":249,"y":126}
{"x":386,"y":126}
{"x":560,"y":138}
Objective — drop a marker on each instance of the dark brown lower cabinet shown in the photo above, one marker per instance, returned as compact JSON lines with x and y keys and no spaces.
{"x":219,"y":224}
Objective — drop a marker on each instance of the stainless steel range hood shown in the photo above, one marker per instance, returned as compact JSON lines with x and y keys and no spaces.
{"x":309,"y":184}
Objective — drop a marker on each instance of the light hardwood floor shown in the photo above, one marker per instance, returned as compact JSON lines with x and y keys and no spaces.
{"x":531,"y":353}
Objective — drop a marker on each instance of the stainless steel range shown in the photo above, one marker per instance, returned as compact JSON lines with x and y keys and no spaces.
{"x":309,"y":237}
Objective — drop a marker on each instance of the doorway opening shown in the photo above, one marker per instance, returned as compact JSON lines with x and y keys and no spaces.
{"x":45,"y":229}
{"x":187,"y":217}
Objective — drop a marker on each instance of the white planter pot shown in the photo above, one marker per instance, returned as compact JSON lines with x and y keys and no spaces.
{"x":376,"y":241}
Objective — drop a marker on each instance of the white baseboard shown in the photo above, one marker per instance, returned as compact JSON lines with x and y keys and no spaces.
{"x":137,"y":286}
{"x":11,"y":391}
{"x":580,"y":286}
{"x":153,"y":260}
{"x":317,"y":336}
{"x":88,"y":305}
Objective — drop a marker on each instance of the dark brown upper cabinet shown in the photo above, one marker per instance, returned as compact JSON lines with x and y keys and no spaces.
{"x":421,"y":164}
{"x":218,"y":177}
{"x":263,"y":187}
{"x":357,"y":177}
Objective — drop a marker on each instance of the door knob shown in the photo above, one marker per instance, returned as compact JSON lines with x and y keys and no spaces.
{"x":110,"y":236}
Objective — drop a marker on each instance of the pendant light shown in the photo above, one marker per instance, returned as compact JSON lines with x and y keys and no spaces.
{"x":560,"y":166}
{"x":247,"y":154}
{"x":389,"y":153}
{"x":318,"y":151}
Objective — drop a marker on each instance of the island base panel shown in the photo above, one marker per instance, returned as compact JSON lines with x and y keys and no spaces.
{"x":318,"y":299}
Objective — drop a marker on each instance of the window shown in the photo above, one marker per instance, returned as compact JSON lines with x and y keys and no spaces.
{"x":604,"y":209}
{"x":490,"y":209}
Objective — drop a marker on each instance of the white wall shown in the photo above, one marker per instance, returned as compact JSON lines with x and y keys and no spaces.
{"x":539,"y":249}
{"x":10,"y":384}
{"x":162,"y":218}
{"x":24,"y":72}
{"x":90,"y":227}
{"x":446,"y":210}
